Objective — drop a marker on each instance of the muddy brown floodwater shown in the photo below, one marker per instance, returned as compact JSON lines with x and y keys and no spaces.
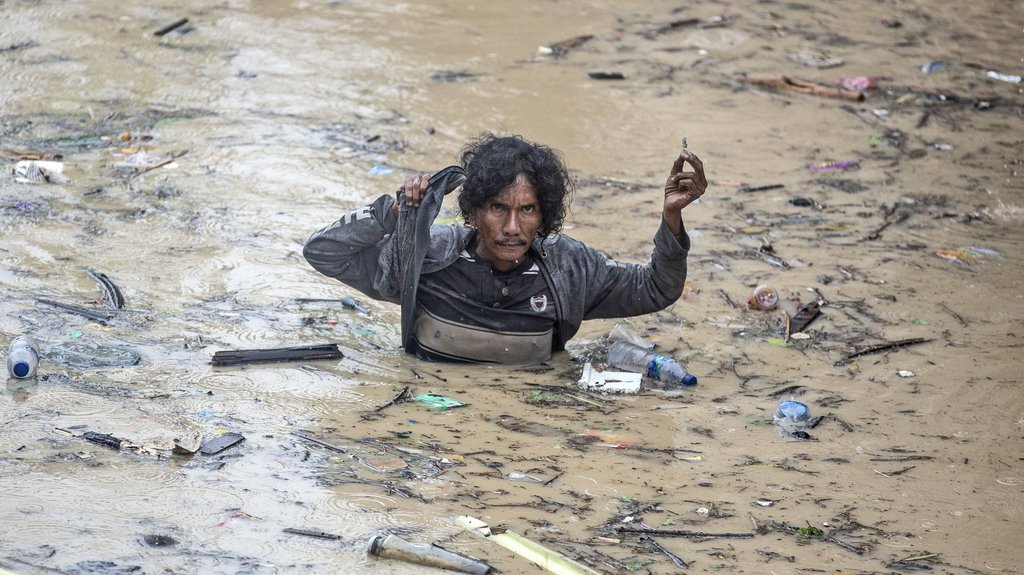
{"x":200,"y":160}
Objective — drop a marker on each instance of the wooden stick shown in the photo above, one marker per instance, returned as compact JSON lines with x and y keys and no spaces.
{"x":320,"y":442}
{"x":681,"y":533}
{"x":401,"y":395}
{"x":171,"y":27}
{"x":879,"y":348}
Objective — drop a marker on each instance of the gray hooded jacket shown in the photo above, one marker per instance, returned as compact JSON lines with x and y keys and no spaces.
{"x":373,"y":251}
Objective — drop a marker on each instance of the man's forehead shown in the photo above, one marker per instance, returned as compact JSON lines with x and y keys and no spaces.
{"x":521,"y":192}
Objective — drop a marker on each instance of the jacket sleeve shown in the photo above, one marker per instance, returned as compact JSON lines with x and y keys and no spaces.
{"x":620,"y":289}
{"x":349,"y":250}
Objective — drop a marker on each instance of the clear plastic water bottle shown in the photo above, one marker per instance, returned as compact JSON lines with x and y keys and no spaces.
{"x":792,"y":418}
{"x":394,"y":547}
{"x":620,"y":333}
{"x":636,"y":359}
{"x":22,"y":357}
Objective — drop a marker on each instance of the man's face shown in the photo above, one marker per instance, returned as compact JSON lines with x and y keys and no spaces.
{"x":507,"y":225}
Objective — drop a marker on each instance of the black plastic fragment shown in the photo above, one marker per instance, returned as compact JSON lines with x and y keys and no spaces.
{"x":311,"y":533}
{"x":221,"y":442}
{"x":102,"y":439}
{"x":803,"y":317}
{"x":598,"y":75}
{"x":159,"y":540}
{"x":299,"y":353}
{"x":111,"y":293}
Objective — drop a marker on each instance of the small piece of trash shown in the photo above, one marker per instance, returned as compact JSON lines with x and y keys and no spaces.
{"x":1003,"y":77}
{"x":610,"y":381}
{"x":159,"y":540}
{"x":39,"y":171}
{"x":438,"y":402}
{"x":820,"y":61}
{"x":516,"y":476}
{"x":597,"y":75}
{"x":905,"y":373}
{"x":966,"y":255}
{"x":858,"y":83}
{"x":832,"y":166}
{"x":765,"y":502}
{"x":380,"y":170}
{"x":933,"y":66}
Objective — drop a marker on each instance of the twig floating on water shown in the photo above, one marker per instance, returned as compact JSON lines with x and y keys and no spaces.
{"x":420,"y":374}
{"x":401,"y":396}
{"x":99,"y":317}
{"x":904,"y":458}
{"x":747,"y":190}
{"x":19,"y":46}
{"x":774,"y":260}
{"x":682,"y":533}
{"x":675,"y":558}
{"x":347,"y":301}
{"x":320,"y":442}
{"x":173,"y":156}
{"x":898,"y":218}
{"x":796,"y":531}
{"x":880,"y":348}
{"x":960,"y":319}
{"x":311,"y":533}
{"x":170,"y":28}
{"x":728,"y":299}
{"x":111,"y":293}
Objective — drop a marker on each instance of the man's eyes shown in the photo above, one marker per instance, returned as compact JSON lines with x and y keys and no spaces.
{"x":528,"y":209}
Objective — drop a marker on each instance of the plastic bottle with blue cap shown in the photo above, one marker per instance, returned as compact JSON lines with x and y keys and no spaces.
{"x":22,"y":357}
{"x":631,"y":357}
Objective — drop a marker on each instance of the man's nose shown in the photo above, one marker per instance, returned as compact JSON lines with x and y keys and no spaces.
{"x":511,"y":224}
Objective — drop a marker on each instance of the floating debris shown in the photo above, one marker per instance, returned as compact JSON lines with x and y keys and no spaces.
{"x":272,"y":355}
{"x":438,"y":402}
{"x":813,"y":60}
{"x":39,"y":171}
{"x":833,"y":166}
{"x":221,"y":442}
{"x":966,"y":256}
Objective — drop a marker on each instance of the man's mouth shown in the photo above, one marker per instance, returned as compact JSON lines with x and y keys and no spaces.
{"x":511,"y":243}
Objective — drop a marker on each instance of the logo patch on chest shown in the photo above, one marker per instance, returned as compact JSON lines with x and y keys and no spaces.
{"x":539,"y":303}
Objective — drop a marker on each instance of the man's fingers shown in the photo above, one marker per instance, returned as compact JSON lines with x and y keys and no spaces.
{"x":677,"y":166}
{"x":414,"y":187}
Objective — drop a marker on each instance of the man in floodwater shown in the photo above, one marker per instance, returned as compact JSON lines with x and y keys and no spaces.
{"x":505,"y":287}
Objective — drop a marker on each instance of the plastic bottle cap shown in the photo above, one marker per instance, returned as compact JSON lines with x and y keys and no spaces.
{"x":20,"y":369}
{"x":795,"y":409}
{"x":689,"y":379}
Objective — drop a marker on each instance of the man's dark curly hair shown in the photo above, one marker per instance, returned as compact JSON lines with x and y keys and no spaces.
{"x":492,"y":163}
